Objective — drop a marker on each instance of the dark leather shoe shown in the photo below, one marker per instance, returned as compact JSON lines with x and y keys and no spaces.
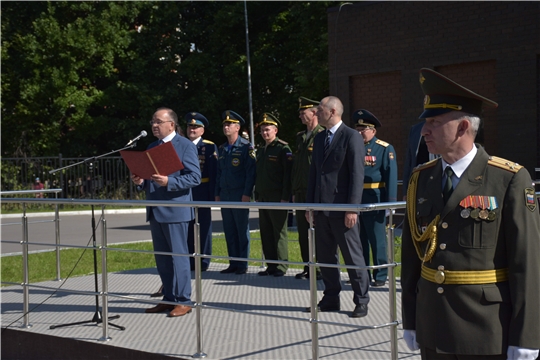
{"x":267,"y":272}
{"x":325,"y":308}
{"x":158,"y":293}
{"x":159,"y":308}
{"x":279,"y":273}
{"x":302,"y":275}
{"x":378,"y":283}
{"x":180,"y":310}
{"x":228,"y":270}
{"x":240,"y":271}
{"x":359,"y":311}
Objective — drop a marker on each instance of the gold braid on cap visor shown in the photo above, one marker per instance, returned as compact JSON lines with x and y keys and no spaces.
{"x":431,"y":230}
{"x":443,"y":106}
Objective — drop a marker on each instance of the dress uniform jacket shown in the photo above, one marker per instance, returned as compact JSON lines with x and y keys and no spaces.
{"x":207,"y":152}
{"x":236,"y":170}
{"x":273,"y":174}
{"x":302,"y":161}
{"x":380,"y":172}
{"x":466,"y":313}
{"x":235,"y":178}
{"x":380,"y":185}
{"x":273,"y":184}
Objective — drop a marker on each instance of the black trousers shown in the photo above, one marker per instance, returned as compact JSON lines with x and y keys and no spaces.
{"x":331,"y":232}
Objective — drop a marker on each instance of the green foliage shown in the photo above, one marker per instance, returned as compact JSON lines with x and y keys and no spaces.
{"x":82,"y":77}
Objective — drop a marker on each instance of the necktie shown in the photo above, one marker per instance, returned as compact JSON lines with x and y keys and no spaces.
{"x":161,"y":142}
{"x":327,"y":142}
{"x":448,"y":188}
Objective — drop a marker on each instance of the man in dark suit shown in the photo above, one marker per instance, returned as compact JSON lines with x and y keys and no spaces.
{"x":207,"y":151}
{"x":337,"y":177}
{"x":169,"y":225}
{"x":470,"y":245}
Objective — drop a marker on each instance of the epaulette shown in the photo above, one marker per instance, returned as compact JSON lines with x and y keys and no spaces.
{"x":382,"y":143}
{"x":425,"y":165}
{"x":283,"y":142}
{"x":207,"y":142}
{"x":504,"y":164}
{"x":244,"y":141}
{"x":301,"y":133}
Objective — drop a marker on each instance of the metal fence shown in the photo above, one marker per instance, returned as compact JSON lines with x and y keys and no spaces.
{"x":109,"y":177}
{"x":313,"y":322}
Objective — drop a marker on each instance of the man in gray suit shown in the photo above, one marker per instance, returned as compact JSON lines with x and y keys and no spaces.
{"x":337,"y":177}
{"x":169,"y":225}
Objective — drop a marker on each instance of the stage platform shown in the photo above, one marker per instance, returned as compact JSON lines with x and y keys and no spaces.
{"x":228,"y":334}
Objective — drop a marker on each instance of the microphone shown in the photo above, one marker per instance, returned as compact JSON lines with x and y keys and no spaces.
{"x":142,"y":134}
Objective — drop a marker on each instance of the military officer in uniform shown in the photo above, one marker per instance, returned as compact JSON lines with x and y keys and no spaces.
{"x":234,"y":182}
{"x":380,"y":185}
{"x":207,"y":150}
{"x":470,"y":269}
{"x":307,"y":112}
{"x":273,"y":184}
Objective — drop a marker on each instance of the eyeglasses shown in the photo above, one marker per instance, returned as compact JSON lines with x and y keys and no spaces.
{"x":158,"y":122}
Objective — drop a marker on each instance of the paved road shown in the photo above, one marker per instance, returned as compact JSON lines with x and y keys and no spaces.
{"x":76,"y":228}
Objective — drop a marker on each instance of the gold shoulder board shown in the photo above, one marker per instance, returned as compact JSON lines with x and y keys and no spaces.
{"x":425,"y":165}
{"x":504,"y":164}
{"x":382,"y":143}
{"x":283,"y":142}
{"x":207,"y":141}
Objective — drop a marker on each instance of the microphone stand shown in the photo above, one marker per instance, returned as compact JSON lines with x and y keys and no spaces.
{"x":97,"y":315}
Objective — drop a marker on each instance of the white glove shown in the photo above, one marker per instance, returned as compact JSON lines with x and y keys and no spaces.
{"x":410,"y":338}
{"x":519,"y":353}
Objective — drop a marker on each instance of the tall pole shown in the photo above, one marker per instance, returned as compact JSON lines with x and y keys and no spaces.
{"x":251,"y":127}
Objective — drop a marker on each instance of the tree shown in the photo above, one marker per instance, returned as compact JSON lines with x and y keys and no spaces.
{"x":82,"y":78}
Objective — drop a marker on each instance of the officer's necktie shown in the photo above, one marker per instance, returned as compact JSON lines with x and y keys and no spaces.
{"x":327,"y":142}
{"x":448,"y":188}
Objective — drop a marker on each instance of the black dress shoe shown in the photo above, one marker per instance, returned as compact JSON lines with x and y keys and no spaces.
{"x":267,"y":272}
{"x":228,"y":270}
{"x":325,"y":308}
{"x":240,"y":271}
{"x":158,"y":293}
{"x":302,"y":275}
{"x":378,"y":283}
{"x":278,"y":273}
{"x":359,"y":311}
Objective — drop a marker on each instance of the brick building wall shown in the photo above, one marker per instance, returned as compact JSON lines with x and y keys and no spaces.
{"x":377,"y":48}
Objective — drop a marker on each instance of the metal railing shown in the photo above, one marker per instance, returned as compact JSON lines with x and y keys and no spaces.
{"x":392,"y":323}
{"x":25,"y":223}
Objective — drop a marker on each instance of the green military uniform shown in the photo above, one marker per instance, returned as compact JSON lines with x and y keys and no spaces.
{"x":470,"y":269}
{"x":299,"y":177}
{"x":273,"y":184}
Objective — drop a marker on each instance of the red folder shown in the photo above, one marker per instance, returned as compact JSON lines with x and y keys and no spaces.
{"x":161,"y":160}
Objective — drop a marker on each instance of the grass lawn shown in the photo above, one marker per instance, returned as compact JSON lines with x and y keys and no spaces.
{"x":79,"y":262}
